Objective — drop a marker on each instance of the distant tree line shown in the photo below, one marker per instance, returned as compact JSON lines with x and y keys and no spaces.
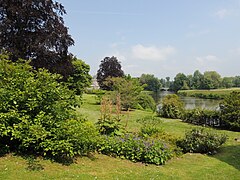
{"x":207,"y":80}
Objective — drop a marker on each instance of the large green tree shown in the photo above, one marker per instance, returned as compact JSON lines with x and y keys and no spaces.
{"x":212,"y":80}
{"x":152,"y":82}
{"x":197,"y":80}
{"x":128,"y":88}
{"x":180,"y":82}
{"x":34,"y":29}
{"x":109,"y":67}
{"x":80,"y":78}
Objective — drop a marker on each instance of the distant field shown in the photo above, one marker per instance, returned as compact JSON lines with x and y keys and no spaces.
{"x":208,"y":94}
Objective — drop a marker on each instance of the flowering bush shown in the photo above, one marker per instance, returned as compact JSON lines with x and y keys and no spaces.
{"x":135,"y":149}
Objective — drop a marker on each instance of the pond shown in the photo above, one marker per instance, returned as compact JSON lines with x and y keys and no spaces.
{"x":192,"y":102}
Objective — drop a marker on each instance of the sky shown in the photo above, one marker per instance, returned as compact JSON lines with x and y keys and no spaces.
{"x":160,"y":37}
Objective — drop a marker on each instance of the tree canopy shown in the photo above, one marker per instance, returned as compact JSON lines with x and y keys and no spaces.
{"x":109,"y":67}
{"x":35,"y":30}
{"x":152,"y":82}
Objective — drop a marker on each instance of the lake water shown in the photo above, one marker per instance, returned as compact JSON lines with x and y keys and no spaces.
{"x":192,"y":102}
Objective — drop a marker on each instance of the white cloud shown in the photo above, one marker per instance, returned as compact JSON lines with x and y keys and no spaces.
{"x":206,"y":59}
{"x":221,"y":13}
{"x":235,"y":51}
{"x":198,"y":33}
{"x":121,"y":57}
{"x":152,"y":52}
{"x":207,"y":63}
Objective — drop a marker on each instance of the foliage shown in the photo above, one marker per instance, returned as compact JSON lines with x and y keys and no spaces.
{"x":201,"y":141}
{"x":80,"y":78}
{"x":171,"y":107}
{"x":230,"y":110}
{"x":146,"y":101}
{"x":150,"y":126}
{"x":128,"y":89}
{"x":36,"y":112}
{"x":197,"y":80}
{"x":203,"y":117}
{"x":135,"y":149}
{"x":212,"y":80}
{"x":236,"y":81}
{"x":180,"y":82}
{"x":35,"y":30}
{"x":108,"y":123}
{"x":152,"y":83}
{"x":227,"y":82}
{"x":109,"y":67}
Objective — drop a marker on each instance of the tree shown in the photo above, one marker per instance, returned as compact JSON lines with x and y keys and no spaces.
{"x":227,"y":82}
{"x":127,"y":89}
{"x":80,"y":78}
{"x":236,"y":81}
{"x":35,"y":30}
{"x":212,"y":80}
{"x":167,"y":82}
{"x":153,"y":83}
{"x":180,"y":82}
{"x":109,"y":67}
{"x":197,"y":80}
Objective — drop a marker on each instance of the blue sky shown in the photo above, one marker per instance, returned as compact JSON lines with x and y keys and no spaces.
{"x":160,"y":37}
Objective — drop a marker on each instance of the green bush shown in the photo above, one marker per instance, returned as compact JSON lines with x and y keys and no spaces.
{"x":135,"y":149}
{"x":150,"y":126}
{"x":35,"y":109}
{"x":72,"y":137}
{"x":230,"y":111}
{"x":171,"y":107}
{"x":202,"y":117}
{"x":146,"y":101}
{"x":201,"y":141}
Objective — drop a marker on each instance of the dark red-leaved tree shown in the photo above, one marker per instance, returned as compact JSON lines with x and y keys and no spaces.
{"x":34,"y":29}
{"x":109,"y":67}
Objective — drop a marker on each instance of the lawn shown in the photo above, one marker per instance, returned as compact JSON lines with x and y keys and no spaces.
{"x":224,"y":165}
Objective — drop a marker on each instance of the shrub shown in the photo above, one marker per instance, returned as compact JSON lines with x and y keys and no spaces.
{"x":230,"y":111}
{"x":171,"y":107}
{"x":73,"y":137}
{"x":201,"y":141}
{"x":146,"y":101}
{"x":135,"y":149}
{"x":150,"y":126}
{"x":35,"y":110}
{"x":202,"y":117}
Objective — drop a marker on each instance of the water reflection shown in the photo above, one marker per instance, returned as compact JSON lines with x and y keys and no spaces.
{"x":192,"y":102}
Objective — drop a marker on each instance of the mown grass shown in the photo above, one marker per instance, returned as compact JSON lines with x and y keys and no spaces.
{"x":224,"y":165}
{"x":208,"y":94}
